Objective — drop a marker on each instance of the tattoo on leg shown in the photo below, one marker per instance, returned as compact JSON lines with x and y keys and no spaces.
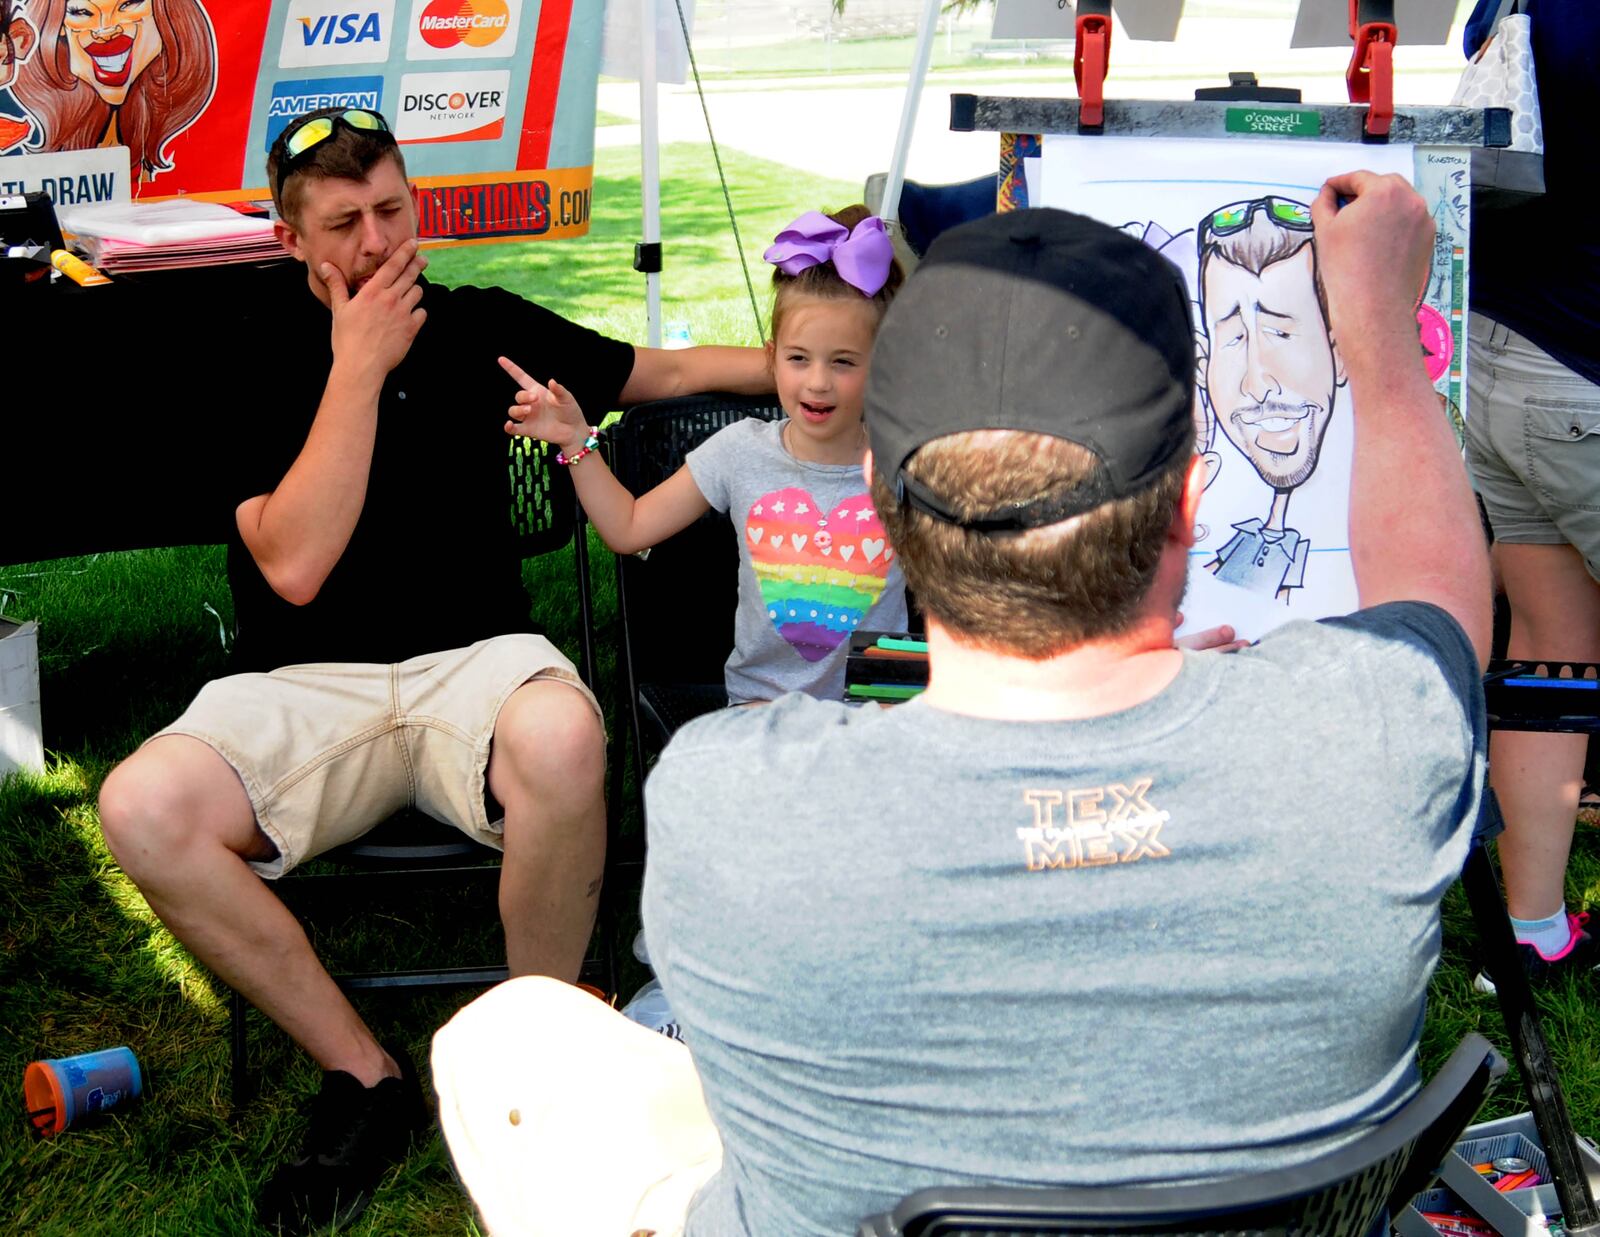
{"x":594,"y":887}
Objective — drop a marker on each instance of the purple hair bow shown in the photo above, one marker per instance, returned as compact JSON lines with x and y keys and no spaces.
{"x":861,"y":254}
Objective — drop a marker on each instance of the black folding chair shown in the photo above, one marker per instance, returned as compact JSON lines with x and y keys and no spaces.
{"x":927,"y":210}
{"x":676,"y":601}
{"x":411,"y":852}
{"x":1343,"y":1194}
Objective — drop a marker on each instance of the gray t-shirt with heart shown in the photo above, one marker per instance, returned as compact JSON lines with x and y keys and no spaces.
{"x":814,"y":563}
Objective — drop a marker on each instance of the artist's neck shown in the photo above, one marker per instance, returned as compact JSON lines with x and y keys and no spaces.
{"x":1087,"y":680}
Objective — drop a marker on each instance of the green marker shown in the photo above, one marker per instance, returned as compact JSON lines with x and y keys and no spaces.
{"x":904,"y":646}
{"x":884,"y":691}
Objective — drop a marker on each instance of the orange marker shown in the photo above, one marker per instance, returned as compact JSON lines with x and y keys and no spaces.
{"x":76,"y":269}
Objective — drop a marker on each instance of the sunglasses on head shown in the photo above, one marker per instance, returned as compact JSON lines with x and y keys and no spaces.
{"x":1226,"y":220}
{"x":306,"y":135}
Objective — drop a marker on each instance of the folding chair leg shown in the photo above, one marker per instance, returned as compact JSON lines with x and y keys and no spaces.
{"x":238,"y":1065}
{"x":1528,"y":1044}
{"x":608,"y":941}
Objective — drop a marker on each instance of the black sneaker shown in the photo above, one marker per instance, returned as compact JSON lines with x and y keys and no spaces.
{"x":1581,"y":956}
{"x":356,"y":1133}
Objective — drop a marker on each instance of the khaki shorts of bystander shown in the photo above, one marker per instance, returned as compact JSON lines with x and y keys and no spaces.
{"x":328,"y":750}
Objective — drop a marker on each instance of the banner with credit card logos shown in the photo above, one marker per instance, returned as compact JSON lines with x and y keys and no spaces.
{"x":492,"y":101}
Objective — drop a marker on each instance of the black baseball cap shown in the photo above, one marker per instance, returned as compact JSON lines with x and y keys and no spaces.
{"x":1038,"y":320}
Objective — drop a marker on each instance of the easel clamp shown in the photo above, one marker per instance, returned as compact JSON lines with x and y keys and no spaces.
{"x":1370,"y":77}
{"x":1091,"y":59}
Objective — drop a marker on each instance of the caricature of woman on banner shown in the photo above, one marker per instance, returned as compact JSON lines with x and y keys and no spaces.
{"x":17,"y":40}
{"x":132,"y":73}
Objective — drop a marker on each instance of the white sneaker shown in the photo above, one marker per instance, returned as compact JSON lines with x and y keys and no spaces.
{"x":649,"y":1008}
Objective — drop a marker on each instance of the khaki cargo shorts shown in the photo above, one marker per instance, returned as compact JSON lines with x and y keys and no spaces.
{"x":326,"y":751}
{"x":1533,"y":443}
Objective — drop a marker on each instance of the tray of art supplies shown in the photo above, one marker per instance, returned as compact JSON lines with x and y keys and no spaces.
{"x":1495,"y":1183}
{"x":886,"y":666}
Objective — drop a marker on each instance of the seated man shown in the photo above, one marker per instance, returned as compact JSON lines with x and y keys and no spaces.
{"x":384,"y":644}
{"x":1092,"y":910}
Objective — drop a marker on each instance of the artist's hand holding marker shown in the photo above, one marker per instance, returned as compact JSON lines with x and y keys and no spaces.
{"x":1413,"y":519}
{"x":374,"y":327}
{"x":547,"y":412}
{"x":1374,"y":248}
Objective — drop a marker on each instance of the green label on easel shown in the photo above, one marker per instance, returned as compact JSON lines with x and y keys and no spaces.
{"x":1274,"y":122}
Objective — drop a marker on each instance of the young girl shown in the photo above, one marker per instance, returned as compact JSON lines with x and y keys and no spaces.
{"x":814,"y":562}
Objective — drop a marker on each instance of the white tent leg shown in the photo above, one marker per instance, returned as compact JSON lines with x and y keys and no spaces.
{"x":908,"y":112}
{"x":650,"y":164}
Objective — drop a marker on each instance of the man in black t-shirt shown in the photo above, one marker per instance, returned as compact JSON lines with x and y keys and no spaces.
{"x":384,"y":638}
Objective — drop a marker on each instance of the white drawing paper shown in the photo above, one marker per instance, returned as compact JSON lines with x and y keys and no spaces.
{"x":1272,"y":412}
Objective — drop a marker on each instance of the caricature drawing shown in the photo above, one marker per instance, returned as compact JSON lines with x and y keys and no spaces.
{"x":1180,"y":251}
{"x":1269,"y":372}
{"x":133,"y":73}
{"x":1205,"y":437}
{"x":17,"y":39}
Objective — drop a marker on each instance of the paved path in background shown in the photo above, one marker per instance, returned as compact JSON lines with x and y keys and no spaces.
{"x":844,"y":127}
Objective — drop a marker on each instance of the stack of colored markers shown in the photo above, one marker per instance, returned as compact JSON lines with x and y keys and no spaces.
{"x":885,"y":666}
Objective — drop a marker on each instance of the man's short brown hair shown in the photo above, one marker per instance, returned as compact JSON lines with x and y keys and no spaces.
{"x":1257,"y":247}
{"x":1035,"y":593}
{"x":348,"y":154}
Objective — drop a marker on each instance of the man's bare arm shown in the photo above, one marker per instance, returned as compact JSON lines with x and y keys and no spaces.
{"x":660,"y":373}
{"x":297,"y":532}
{"x":1414,"y":528}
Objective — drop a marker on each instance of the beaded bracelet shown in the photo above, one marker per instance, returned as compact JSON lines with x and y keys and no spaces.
{"x":589,"y":444}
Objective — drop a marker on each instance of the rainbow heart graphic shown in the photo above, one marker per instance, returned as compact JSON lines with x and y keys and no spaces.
{"x":819,"y":571}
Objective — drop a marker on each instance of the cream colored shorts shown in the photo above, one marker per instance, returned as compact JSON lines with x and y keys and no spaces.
{"x":566,"y":1119}
{"x":1533,"y":442}
{"x":326,"y":751}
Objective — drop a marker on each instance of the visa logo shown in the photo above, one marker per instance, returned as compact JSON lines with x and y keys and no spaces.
{"x":340,"y":29}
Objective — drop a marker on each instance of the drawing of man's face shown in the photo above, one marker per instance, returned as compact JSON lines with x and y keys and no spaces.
{"x":109,"y":43}
{"x":1271,"y":370}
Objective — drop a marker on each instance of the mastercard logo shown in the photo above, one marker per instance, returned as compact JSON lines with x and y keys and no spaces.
{"x":464,"y":23}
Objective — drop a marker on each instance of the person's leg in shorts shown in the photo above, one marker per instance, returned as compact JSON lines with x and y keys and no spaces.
{"x":565,"y":1119}
{"x":265,"y":771}
{"x":232,"y":792}
{"x":1534,"y":450}
{"x":546,"y":770}
{"x":179,"y":819}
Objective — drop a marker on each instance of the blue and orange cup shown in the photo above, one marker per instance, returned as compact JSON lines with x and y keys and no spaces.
{"x":62,"y":1091}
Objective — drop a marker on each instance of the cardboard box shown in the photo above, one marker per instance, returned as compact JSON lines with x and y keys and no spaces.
{"x":21,"y":735}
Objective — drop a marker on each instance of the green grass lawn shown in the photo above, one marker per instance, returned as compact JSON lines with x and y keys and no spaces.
{"x":126,"y":640}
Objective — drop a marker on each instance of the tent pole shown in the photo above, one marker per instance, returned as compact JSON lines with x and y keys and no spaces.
{"x":908,"y":111}
{"x":650,"y":161}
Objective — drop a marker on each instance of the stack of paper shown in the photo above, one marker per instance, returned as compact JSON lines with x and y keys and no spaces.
{"x":121,"y":237}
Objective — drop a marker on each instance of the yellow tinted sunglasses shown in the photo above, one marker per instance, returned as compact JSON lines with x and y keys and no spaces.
{"x":307,"y":134}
